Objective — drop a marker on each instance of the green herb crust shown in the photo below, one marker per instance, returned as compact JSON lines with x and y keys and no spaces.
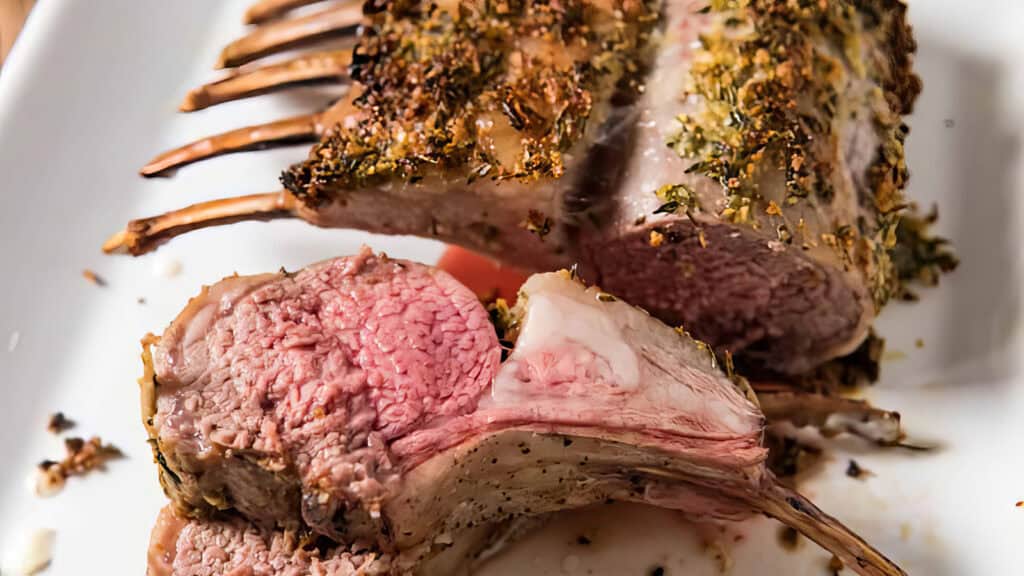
{"x":771,"y":80}
{"x":483,"y":89}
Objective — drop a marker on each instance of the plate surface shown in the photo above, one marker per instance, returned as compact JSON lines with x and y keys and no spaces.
{"x":89,"y":94}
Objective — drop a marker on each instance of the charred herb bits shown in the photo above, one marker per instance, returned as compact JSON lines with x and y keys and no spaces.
{"x":496,"y":90}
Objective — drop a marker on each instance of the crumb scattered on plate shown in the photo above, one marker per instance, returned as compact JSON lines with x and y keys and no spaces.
{"x":721,"y":555}
{"x":893,"y":355}
{"x":164,"y":267}
{"x":82,"y":458}
{"x":32,"y":554}
{"x":140,"y":300}
{"x":657,"y":571}
{"x":789,"y":538}
{"x":919,"y":342}
{"x":93,"y":277}
{"x":855,"y":470}
{"x":835,"y":565}
{"x":59,"y":423}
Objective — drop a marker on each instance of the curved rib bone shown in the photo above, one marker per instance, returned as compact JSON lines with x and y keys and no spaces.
{"x":286,"y":34}
{"x":795,"y":511}
{"x":141,"y":236}
{"x":264,"y":10}
{"x":833,"y":415}
{"x":303,"y":128}
{"x":319,"y":66}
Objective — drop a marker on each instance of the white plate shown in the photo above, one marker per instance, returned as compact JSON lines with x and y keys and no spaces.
{"x":89,"y":94}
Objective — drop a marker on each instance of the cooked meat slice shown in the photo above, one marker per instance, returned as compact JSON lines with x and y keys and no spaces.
{"x":364,"y":398}
{"x":180,"y":547}
{"x":738,"y":172}
{"x":232,"y":546}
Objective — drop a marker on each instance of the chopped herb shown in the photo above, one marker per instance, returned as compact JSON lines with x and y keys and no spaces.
{"x":789,"y":537}
{"x":59,"y":423}
{"x":675,"y":197}
{"x":537,"y":223}
{"x":854,"y":470}
{"x":93,"y":277}
{"x":82,"y":457}
{"x":656,"y":239}
{"x":920,"y":257}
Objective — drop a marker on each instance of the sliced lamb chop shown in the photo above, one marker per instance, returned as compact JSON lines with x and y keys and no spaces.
{"x":230,"y":545}
{"x":767,"y":221}
{"x":364,"y":398}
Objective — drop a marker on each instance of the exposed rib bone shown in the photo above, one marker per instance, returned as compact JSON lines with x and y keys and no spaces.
{"x":141,"y":236}
{"x":796,"y":511}
{"x":832,"y":415}
{"x":286,"y":34}
{"x":297,"y":129}
{"x":307,"y":68}
{"x":264,"y":10}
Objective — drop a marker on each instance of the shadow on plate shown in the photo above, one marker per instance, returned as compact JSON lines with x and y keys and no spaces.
{"x":964,"y":152}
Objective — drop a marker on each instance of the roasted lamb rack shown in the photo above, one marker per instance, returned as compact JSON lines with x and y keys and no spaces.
{"x":366,"y":415}
{"x":733,"y":167}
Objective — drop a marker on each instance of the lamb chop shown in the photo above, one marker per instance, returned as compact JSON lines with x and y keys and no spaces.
{"x":737,"y":168}
{"x":365,"y":400}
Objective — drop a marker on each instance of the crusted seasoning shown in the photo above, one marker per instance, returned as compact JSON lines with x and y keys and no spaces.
{"x":537,"y":223}
{"x":920,"y":257}
{"x":81,"y":458}
{"x":496,"y":89}
{"x":769,"y":78}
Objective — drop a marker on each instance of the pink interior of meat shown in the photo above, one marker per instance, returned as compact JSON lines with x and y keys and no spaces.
{"x":355,"y":369}
{"x":235,"y":547}
{"x":607,"y":369}
{"x":782,"y":311}
{"x":341,"y":358}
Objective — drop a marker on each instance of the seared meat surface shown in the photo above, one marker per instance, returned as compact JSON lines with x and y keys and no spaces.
{"x":735,"y":168}
{"x":364,"y":400}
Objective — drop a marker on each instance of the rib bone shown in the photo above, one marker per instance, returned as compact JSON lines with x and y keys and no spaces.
{"x":285,"y":34}
{"x":141,"y":236}
{"x":320,"y":66}
{"x":264,"y":10}
{"x":303,"y":128}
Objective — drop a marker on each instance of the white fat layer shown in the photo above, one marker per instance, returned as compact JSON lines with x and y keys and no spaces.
{"x":553,"y":320}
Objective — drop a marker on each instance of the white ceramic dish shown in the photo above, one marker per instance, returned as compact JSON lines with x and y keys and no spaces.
{"x":89,"y":94}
